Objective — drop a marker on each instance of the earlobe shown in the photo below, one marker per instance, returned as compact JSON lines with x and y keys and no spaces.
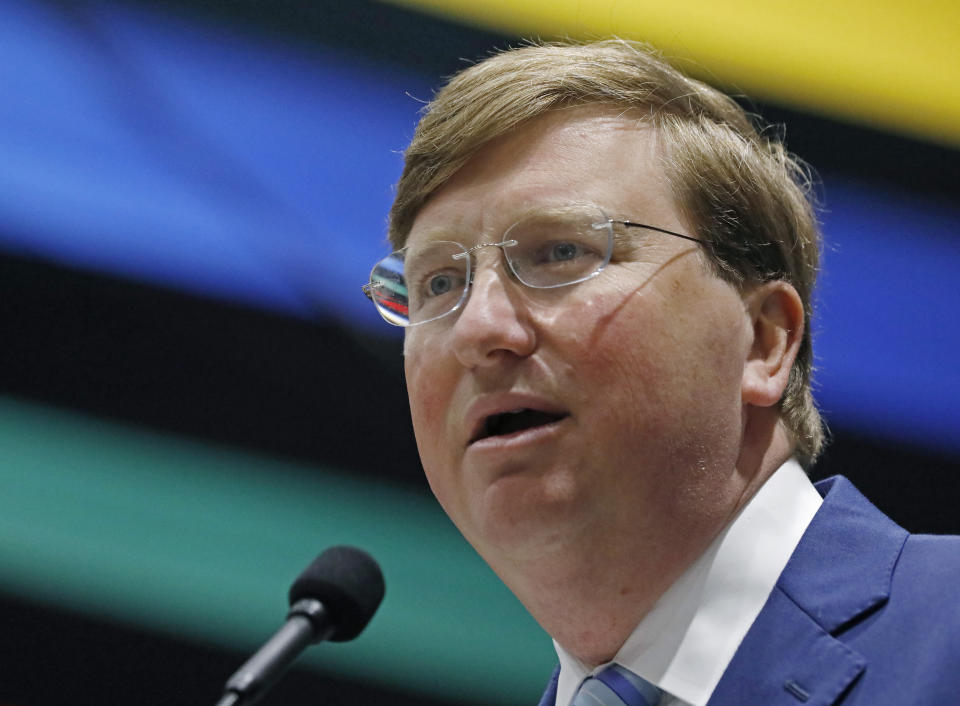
{"x":778,"y":323}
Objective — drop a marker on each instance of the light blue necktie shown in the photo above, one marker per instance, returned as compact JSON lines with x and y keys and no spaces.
{"x":616,"y":686}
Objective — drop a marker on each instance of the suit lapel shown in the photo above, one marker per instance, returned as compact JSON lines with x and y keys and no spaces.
{"x":841,"y":570}
{"x":787,"y":658}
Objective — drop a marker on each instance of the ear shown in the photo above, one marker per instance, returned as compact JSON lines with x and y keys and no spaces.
{"x":776,"y":312}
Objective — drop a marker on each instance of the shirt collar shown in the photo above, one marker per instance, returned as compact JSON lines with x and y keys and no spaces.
{"x":684,"y":644}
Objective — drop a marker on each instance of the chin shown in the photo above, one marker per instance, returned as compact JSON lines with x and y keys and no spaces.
{"x":519,"y":514}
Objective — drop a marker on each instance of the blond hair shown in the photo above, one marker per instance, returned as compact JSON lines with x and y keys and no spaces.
{"x":736,"y":185}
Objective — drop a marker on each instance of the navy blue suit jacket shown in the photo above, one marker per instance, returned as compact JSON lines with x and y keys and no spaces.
{"x":864,"y":614}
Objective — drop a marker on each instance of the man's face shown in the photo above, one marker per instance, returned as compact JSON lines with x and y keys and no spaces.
{"x":632,"y":379}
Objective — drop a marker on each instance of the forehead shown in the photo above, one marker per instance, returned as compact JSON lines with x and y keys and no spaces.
{"x":586,"y":154}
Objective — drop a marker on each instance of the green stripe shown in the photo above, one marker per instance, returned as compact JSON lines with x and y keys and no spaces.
{"x":203,"y":542}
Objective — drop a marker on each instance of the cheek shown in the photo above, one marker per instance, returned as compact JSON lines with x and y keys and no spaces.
{"x":430,"y":393}
{"x":623,"y":340}
{"x":658,"y":354}
{"x":427,"y":396}
{"x":633,"y":379}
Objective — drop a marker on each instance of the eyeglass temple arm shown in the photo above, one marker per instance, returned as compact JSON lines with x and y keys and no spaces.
{"x":631,"y":224}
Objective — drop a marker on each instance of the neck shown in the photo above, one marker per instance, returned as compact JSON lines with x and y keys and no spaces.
{"x":588,"y":607}
{"x":589,"y":593}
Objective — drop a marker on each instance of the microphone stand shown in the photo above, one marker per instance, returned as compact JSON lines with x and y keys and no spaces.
{"x":307,"y":622}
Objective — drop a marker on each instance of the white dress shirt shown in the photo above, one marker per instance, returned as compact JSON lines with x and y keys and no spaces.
{"x":684,"y":644}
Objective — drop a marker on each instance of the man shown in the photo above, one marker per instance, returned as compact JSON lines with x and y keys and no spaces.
{"x":605,"y":272}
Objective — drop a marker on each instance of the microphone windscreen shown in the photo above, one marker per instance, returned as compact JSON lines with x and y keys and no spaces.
{"x":348,"y":582}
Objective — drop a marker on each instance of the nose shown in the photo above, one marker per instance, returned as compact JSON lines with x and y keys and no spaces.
{"x":494,"y":322}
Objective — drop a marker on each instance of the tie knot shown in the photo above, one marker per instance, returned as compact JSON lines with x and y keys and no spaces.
{"x":616,"y":686}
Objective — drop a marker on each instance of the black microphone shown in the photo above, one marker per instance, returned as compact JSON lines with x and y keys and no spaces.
{"x":333,"y":599}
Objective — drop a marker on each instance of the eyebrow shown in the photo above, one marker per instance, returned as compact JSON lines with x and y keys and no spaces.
{"x":446,"y":232}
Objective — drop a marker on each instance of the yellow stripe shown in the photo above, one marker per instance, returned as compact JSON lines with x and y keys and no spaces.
{"x":889,"y":63}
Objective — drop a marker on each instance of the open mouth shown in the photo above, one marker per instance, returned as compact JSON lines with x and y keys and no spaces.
{"x":515,"y":420}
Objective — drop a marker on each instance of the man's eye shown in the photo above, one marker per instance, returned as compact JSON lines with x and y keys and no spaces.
{"x":563,"y":251}
{"x":559,"y":252}
{"x":439,"y":284}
